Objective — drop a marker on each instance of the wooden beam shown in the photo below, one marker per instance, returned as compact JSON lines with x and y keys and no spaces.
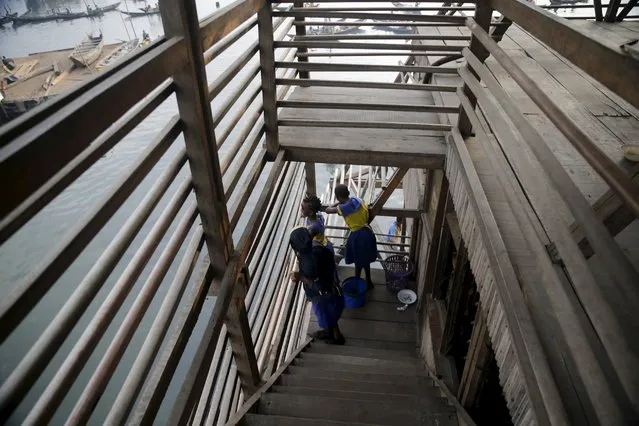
{"x":626,"y":10}
{"x":334,"y":67}
{"x":319,"y":13}
{"x":366,"y":106}
{"x":344,"y":37}
{"x":220,"y":23}
{"x":239,"y":331}
{"x":371,"y":54}
{"x":399,"y":212}
{"x":611,"y":12}
{"x":601,"y":59}
{"x":383,"y":196}
{"x":298,"y":122}
{"x":434,"y":160}
{"x":267,"y":71}
{"x":311,"y":186}
{"x":483,"y":16}
{"x":364,"y":84}
{"x":598,"y":10}
{"x":433,"y":252}
{"x":300,"y":32}
{"x":461,"y":272}
{"x":477,"y":359}
{"x":367,"y":46}
{"x":180,"y":19}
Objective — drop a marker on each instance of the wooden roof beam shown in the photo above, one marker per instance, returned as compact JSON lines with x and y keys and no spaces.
{"x":602,"y":60}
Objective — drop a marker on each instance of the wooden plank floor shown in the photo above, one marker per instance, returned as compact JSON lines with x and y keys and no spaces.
{"x":369,"y":146}
{"x":607,"y":119}
{"x":377,"y":325}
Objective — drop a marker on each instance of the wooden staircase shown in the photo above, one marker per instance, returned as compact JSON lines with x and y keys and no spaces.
{"x":375,"y":379}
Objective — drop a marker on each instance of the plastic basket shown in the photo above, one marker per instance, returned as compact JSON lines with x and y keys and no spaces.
{"x":397,"y":268}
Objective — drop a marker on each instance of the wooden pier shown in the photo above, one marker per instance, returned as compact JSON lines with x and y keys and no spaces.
{"x":505,"y":130}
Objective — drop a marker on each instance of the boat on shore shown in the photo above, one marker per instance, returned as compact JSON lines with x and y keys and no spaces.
{"x":118,"y":54}
{"x":142,"y":12}
{"x":30,"y":17}
{"x":90,"y":12}
{"x":88,"y":51}
{"x":67,"y":14}
{"x":101,"y":9}
{"x":8,"y":17}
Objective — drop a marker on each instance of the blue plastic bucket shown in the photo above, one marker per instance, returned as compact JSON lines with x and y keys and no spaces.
{"x":354,"y":292}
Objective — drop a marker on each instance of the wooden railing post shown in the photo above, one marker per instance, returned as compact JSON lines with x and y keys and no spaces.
{"x":300,"y":30}
{"x":483,"y":15}
{"x":311,"y":185}
{"x":434,"y":251}
{"x":267,"y":71}
{"x":180,"y":19}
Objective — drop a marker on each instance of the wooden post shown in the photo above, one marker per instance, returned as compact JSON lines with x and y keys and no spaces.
{"x":598,"y":10}
{"x":438,"y":228}
{"x":460,"y":277}
{"x":611,"y":12}
{"x":267,"y":71}
{"x":477,"y":359}
{"x":300,"y":30}
{"x":624,"y":12}
{"x":180,"y":19}
{"x":483,"y":15}
{"x":239,"y":331}
{"x":311,"y":185}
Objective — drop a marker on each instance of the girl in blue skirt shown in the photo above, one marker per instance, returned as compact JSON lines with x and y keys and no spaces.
{"x":317,"y":273}
{"x":361,"y":246}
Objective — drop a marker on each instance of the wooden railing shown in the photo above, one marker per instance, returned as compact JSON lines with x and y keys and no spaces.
{"x":255,"y":323}
{"x":228,"y":218}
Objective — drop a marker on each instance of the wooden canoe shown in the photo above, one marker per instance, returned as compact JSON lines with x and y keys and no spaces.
{"x":88,"y":51}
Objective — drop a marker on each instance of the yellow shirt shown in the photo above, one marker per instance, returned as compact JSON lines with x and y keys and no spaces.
{"x":355,"y":213}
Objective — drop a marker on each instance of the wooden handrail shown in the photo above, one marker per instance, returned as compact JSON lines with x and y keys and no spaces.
{"x":37,"y":148}
{"x":613,"y":175}
{"x":64,"y":177}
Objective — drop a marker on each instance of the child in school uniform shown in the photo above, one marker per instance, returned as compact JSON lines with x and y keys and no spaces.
{"x":361,"y":246}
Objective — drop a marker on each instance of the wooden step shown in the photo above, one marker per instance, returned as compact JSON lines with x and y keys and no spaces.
{"x":351,"y":410}
{"x":398,"y":370}
{"x":404,"y":347}
{"x":374,"y":310}
{"x":358,"y":360}
{"x":380,"y":377}
{"x":262,"y":420}
{"x":377,"y":273}
{"x":343,"y":394}
{"x":388,"y":354}
{"x":374,"y":330}
{"x":404,"y":388}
